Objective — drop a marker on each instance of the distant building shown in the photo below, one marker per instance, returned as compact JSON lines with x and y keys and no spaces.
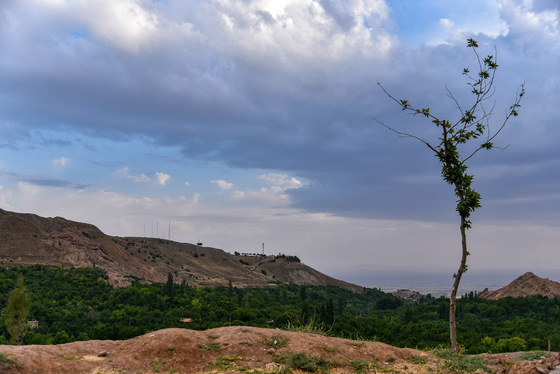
{"x":33,"y":324}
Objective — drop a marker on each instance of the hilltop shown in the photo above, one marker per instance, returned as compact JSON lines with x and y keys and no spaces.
{"x":27,"y":239}
{"x":526,"y":285}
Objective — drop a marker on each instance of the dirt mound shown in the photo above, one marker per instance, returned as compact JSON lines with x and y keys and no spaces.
{"x":238,"y":349}
{"x":227,"y":349}
{"x":526,"y":285}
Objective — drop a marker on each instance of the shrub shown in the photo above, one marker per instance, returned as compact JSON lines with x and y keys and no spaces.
{"x":301,"y":361}
{"x":277,"y":341}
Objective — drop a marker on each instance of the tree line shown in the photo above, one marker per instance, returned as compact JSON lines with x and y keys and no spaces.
{"x":77,"y":304}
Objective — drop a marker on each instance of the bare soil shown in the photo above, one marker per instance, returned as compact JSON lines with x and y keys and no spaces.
{"x":232,"y":350}
{"x":222,"y":350}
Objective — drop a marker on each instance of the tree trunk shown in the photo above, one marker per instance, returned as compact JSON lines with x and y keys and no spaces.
{"x":453,"y":298}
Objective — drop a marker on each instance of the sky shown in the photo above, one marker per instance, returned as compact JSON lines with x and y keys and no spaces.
{"x":238,"y":123}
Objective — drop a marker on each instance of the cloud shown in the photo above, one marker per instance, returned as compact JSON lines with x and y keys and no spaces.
{"x":162,"y":178}
{"x":61,"y":161}
{"x":282,"y":181}
{"x":535,"y":28}
{"x":276,"y":193}
{"x":446,"y":23}
{"x":51,"y":182}
{"x":223,"y":185}
{"x":140,"y":178}
{"x":128,"y":25}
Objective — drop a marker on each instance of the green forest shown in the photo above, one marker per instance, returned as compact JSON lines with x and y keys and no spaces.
{"x":78,"y":304}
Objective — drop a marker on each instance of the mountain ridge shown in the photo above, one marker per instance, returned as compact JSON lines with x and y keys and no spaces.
{"x":527,"y":284}
{"x":27,"y":239}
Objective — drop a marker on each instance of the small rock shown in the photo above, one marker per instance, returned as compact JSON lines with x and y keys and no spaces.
{"x":272,"y":366}
{"x":102,"y":354}
{"x":271,"y":350}
{"x":433,"y":368}
{"x":244,"y":330}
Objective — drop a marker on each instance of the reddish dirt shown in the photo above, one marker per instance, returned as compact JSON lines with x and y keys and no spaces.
{"x":232,"y":350}
{"x":222,"y":350}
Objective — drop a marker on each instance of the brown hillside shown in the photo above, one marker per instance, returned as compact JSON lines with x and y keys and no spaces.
{"x":27,"y":239}
{"x":526,"y":285}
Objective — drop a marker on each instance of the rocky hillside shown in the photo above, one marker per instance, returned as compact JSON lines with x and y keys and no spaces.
{"x":27,"y":239}
{"x":526,"y":285}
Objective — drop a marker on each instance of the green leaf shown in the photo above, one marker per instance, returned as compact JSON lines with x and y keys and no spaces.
{"x":471,"y":43}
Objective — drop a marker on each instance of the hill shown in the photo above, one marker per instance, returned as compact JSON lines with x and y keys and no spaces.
{"x":27,"y":239}
{"x":239,"y":349}
{"x":526,"y":285}
{"x":233,"y":349}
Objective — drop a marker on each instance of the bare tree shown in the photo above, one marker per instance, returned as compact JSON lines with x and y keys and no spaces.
{"x":458,"y":142}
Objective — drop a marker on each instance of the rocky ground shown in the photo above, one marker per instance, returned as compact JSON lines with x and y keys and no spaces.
{"x":236,"y":350}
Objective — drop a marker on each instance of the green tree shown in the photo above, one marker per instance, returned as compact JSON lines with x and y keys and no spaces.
{"x":17,"y":311}
{"x":169,"y":285}
{"x":460,"y":140}
{"x":303,"y":293}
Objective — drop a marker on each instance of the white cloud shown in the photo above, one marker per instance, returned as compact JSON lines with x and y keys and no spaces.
{"x":187,"y":183}
{"x":288,"y":32}
{"x":140,"y":178}
{"x":539,"y":29}
{"x":121,"y":172}
{"x":61,"y":161}
{"x":222,"y":184}
{"x":126,"y":24}
{"x":196,"y":198}
{"x":276,"y":193}
{"x":162,"y":178}
{"x":282,"y":181}
{"x":238,"y":195}
{"x":446,"y":23}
